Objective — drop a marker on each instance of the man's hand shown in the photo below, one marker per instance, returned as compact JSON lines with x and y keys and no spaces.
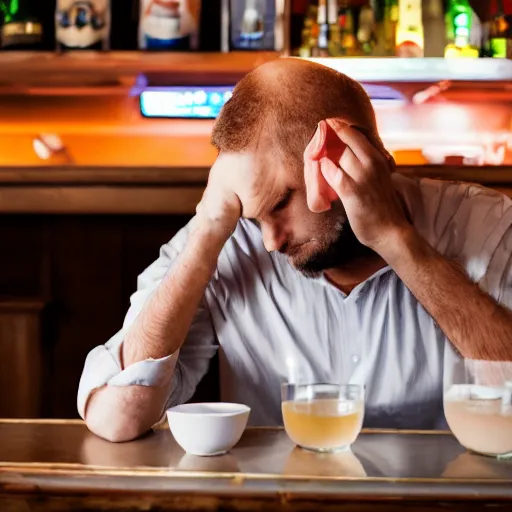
{"x":360,"y":175}
{"x":220,"y":205}
{"x":343,"y":160}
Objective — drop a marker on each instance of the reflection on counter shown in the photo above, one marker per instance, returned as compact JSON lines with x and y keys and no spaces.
{"x":301,"y":462}
{"x":472,"y":466}
{"x":265,"y":452}
{"x":224,"y":464}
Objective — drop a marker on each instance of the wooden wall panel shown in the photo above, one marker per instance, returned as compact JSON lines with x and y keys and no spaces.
{"x":20,"y":358}
{"x":86,"y":288}
{"x":95,"y":263}
{"x":84,"y":269}
{"x":20,"y":258}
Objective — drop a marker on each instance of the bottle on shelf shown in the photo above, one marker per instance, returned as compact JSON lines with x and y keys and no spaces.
{"x":169,"y":24}
{"x":253,"y":28}
{"x":387,"y":20}
{"x":434,"y":28}
{"x":349,"y":44}
{"x":335,"y":46}
{"x":409,"y":33}
{"x":476,"y":33}
{"x":20,"y":26}
{"x":322,"y":44}
{"x":458,"y":30}
{"x":82,"y":24}
{"x":500,"y":33}
{"x":366,"y":33}
{"x":258,"y":25}
{"x":309,"y":31}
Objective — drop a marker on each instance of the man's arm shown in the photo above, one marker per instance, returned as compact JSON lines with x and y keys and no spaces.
{"x":162,"y":325}
{"x":472,"y":320}
{"x":120,"y":413}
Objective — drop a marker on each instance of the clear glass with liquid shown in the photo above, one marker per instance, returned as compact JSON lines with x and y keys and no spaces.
{"x":323,"y":417}
{"x":478,"y":406}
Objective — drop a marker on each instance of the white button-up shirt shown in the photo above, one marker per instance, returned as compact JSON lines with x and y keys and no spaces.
{"x":273,"y":325}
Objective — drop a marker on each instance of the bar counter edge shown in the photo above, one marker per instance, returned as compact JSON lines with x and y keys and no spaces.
{"x":36,"y":486}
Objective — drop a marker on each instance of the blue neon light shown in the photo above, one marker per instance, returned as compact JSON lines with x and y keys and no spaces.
{"x":178,"y":102}
{"x":184,"y":102}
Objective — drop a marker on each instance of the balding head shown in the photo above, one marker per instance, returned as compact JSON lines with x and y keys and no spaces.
{"x":270,"y":119}
{"x":277,"y":107}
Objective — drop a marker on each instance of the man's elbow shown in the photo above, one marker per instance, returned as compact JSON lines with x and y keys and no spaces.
{"x":119,"y":414}
{"x":115,"y":430}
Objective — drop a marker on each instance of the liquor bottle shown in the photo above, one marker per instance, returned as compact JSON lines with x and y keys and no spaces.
{"x":322,"y":45}
{"x":335,"y":47}
{"x":387,"y":39}
{"x":409,"y":33}
{"x":169,"y":24}
{"x":500,"y":33}
{"x":434,"y":28}
{"x":253,"y":28}
{"x":21,"y":28}
{"x":476,"y":33}
{"x":349,"y":46}
{"x":366,"y":35}
{"x":458,"y":29}
{"x":309,"y":32}
{"x":82,"y":24}
{"x":254,"y":25}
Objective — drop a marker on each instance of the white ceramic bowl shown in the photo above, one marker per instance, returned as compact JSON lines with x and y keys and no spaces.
{"x":208,"y":429}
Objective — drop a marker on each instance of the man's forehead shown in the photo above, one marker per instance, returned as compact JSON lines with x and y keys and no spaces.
{"x":255,"y":162}
{"x":258,"y":180}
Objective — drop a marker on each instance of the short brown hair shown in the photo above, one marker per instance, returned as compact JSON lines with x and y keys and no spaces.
{"x":280,"y":104}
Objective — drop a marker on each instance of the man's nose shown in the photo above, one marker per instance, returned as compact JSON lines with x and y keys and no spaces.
{"x":273,"y":237}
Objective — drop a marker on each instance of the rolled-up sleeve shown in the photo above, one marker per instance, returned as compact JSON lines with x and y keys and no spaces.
{"x":180,"y":372}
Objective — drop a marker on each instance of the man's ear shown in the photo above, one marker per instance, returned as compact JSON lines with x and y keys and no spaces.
{"x":319,"y":194}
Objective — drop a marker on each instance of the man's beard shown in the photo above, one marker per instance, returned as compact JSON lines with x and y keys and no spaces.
{"x":340,"y":248}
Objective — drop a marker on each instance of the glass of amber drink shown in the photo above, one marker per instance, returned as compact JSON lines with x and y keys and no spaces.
{"x":323,"y":417}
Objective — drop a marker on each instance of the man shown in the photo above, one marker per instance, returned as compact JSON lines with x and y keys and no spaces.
{"x":309,"y":259}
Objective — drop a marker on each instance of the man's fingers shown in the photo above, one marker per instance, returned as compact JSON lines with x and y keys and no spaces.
{"x":354,"y":139}
{"x":333,"y":176}
{"x":341,"y":178}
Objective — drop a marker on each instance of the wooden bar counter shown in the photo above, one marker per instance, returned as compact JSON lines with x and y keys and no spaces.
{"x":59,"y":465}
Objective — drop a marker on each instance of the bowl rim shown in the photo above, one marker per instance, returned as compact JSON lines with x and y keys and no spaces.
{"x":181,"y":409}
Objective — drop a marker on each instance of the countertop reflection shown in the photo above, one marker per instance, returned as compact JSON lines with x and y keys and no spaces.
{"x":261,"y":452}
{"x":46,"y":465}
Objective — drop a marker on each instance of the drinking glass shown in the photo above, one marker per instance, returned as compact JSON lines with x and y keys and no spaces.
{"x":323,"y":417}
{"x":478,"y":406}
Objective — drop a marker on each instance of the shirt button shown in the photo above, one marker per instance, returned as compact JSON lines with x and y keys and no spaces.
{"x":355,"y":359}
